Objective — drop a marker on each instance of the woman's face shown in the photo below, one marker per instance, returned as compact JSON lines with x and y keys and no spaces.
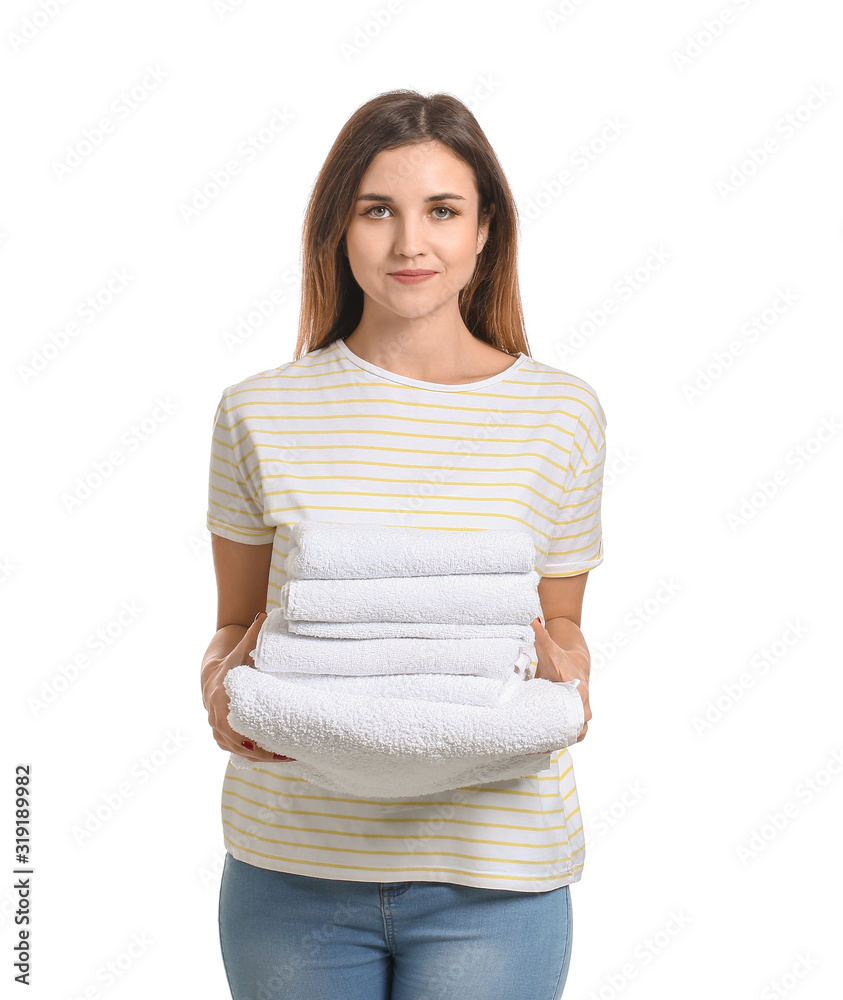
{"x":416,"y":209}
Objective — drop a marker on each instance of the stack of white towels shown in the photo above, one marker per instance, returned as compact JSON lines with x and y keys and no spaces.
{"x":399,"y":663}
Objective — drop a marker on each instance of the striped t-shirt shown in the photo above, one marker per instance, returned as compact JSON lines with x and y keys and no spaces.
{"x":332,"y":437}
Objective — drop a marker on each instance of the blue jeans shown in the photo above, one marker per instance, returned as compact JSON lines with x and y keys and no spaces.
{"x":297,"y":937}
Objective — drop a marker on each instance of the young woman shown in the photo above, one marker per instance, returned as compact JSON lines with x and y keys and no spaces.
{"x":412,"y":400}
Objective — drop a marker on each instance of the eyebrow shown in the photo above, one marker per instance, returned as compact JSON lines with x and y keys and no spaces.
{"x":433,"y":197}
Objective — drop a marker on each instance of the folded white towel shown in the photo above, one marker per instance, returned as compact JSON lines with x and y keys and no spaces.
{"x":328,"y":550}
{"x":412,"y":630}
{"x":278,"y":650}
{"x":465,"y":689}
{"x":390,"y":747}
{"x":490,"y":598}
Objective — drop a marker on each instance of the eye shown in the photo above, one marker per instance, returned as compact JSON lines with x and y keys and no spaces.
{"x":438,"y":208}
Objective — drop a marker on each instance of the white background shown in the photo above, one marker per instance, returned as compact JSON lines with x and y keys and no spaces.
{"x":704,"y":571}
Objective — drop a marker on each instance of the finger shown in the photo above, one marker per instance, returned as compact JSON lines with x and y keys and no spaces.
{"x":250,"y":638}
{"x":248,"y":749}
{"x":538,"y":628}
{"x":265,"y":758}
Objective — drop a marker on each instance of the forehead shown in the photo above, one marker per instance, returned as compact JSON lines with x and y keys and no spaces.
{"x":419,"y":169}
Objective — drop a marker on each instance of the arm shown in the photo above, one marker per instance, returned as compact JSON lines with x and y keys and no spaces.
{"x":242,"y":573}
{"x":560,"y":646}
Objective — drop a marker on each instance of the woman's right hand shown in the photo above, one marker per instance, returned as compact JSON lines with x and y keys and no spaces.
{"x":218,"y":703}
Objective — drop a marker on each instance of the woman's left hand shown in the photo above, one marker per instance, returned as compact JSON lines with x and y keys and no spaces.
{"x":554,"y":664}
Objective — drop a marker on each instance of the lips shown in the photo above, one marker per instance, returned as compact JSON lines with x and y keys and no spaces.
{"x":411,"y":274}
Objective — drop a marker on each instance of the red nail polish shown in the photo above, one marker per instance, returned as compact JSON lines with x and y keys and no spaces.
{"x":247,"y":745}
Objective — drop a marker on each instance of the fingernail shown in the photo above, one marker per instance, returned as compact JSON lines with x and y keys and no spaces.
{"x":258,"y":616}
{"x":247,"y":745}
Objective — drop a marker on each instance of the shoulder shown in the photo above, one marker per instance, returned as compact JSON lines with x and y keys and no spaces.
{"x":571,"y":389}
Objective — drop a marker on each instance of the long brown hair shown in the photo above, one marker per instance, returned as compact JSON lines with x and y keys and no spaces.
{"x":331,"y":299}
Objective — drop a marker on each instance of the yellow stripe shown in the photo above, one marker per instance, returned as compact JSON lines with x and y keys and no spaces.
{"x":399,"y":482}
{"x":276,"y":375}
{"x":570,"y":552}
{"x":575,"y":520}
{"x":490,"y":807}
{"x":276,"y":775}
{"x":416,"y":853}
{"x":349,"y":494}
{"x":376,"y":383}
{"x":590,"y":438}
{"x":403,"y":436}
{"x":214,"y":504}
{"x":379,"y":819}
{"x":290,"y":427}
{"x":351,"y":401}
{"x":391,"y":510}
{"x":352,"y":462}
{"x":543,"y":375}
{"x":219,"y":458}
{"x":390,"y":836}
{"x":586,"y":486}
{"x":586,"y":467}
{"x":356,"y":463}
{"x":418,"y":868}
{"x":236,"y":496}
{"x":237,"y":531}
{"x":331,"y":355}
{"x":255,"y":383}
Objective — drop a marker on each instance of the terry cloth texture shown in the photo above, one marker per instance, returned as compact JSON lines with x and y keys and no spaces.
{"x":399,"y":736}
{"x":279,"y":650}
{"x":382,"y":550}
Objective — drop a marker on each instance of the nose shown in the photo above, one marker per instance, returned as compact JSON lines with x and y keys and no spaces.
{"x":409,"y":238}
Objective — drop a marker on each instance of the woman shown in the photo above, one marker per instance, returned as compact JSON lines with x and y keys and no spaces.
{"x":412,"y":400}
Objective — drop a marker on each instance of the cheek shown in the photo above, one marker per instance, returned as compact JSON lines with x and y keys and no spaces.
{"x":360,"y":238}
{"x":461,"y":246}
{"x":363,"y":257}
{"x":354,"y":242}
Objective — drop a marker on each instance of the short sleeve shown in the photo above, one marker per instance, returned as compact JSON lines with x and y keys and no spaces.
{"x":576,"y":543}
{"x":235,"y":509}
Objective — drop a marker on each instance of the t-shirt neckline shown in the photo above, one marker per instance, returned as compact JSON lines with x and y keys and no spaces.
{"x":440,"y":386}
